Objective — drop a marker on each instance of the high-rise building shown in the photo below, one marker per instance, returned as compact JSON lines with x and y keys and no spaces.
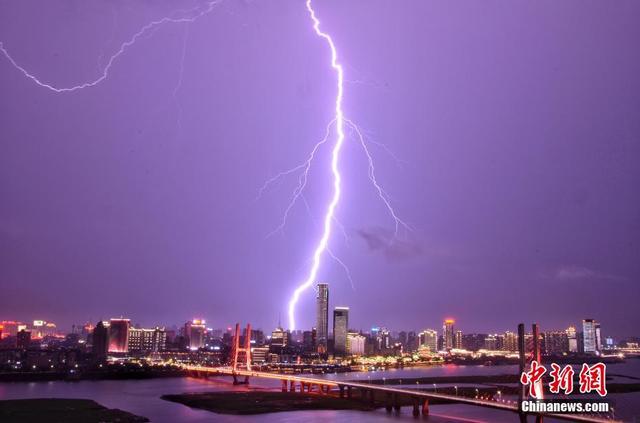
{"x":355,"y":344}
{"x":457,"y":340}
{"x":309,"y":340}
{"x":491,"y":342}
{"x":412,"y":341}
{"x":572,"y":339}
{"x":591,"y":336}
{"x":23,"y":339}
{"x":280,"y":339}
{"x":556,"y":342}
{"x":447,"y":333}
{"x":322,"y":317}
{"x":100,"y":340}
{"x":340,"y":330}
{"x":473,"y":341}
{"x":194,"y":331}
{"x":429,"y":338}
{"x":510,"y":341}
{"x":119,"y":335}
{"x":147,"y":340}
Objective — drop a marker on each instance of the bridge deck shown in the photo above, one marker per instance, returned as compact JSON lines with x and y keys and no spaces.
{"x":390,"y":390}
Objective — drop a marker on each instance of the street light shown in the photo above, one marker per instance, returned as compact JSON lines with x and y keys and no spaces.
{"x":435,"y":387}
{"x":456,"y":388}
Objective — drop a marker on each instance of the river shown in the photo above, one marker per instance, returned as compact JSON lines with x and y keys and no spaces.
{"x":142,"y":397}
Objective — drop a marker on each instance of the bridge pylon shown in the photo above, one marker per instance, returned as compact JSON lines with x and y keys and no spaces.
{"x":241,"y":355}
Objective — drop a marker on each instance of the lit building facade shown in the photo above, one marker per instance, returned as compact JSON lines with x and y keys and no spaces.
{"x":355,"y":344}
{"x":457,"y":340}
{"x":119,"y":335}
{"x":195,"y":331}
{"x":340,"y":330}
{"x":429,"y":338}
{"x":556,"y":342}
{"x":572,"y":339}
{"x":322,"y":317}
{"x":510,"y":341}
{"x":448,"y":334}
{"x":147,"y":340}
{"x":591,"y":336}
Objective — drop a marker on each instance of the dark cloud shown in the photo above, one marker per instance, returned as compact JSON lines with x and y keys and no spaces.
{"x":392,"y":247}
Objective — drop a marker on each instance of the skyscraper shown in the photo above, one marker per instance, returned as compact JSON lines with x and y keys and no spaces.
{"x":100,"y":341}
{"x":591,"y":336}
{"x":429,"y":339}
{"x":194,"y":331}
{"x":457,"y":340}
{"x":447,"y":333}
{"x":510,"y":341}
{"x":23,"y":339}
{"x":340,"y":330}
{"x":573,"y":339}
{"x":119,"y":335}
{"x":322,"y":317}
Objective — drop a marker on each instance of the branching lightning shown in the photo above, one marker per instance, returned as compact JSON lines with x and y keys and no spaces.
{"x":192,"y":15}
{"x":335,"y":156}
{"x":340,"y":121}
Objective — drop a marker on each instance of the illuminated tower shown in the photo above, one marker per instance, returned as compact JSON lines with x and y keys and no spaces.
{"x":195,"y":331}
{"x":100,"y":340}
{"x":447,"y":331}
{"x":119,"y":335}
{"x":591,"y":336}
{"x":322,"y":316}
{"x":340,"y":330}
{"x":573,"y":339}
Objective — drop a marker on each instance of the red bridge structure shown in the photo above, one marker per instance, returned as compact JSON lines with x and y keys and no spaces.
{"x":241,"y":356}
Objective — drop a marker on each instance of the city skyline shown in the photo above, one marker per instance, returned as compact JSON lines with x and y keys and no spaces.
{"x":511,"y":157}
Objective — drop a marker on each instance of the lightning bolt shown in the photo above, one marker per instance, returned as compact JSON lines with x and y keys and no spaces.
{"x":321,"y":247}
{"x":339,"y":120}
{"x":195,"y":13}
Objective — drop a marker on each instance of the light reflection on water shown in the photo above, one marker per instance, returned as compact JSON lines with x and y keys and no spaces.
{"x":142,"y":397}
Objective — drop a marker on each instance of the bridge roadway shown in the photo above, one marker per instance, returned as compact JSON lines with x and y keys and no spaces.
{"x":325,"y":385}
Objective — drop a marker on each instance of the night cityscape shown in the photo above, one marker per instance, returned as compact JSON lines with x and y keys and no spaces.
{"x":319,"y":210}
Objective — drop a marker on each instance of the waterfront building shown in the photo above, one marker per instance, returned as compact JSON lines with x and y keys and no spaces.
{"x":322,"y":317}
{"x":428,"y":338}
{"x":119,"y":335}
{"x":448,"y":333}
{"x":340,"y":330}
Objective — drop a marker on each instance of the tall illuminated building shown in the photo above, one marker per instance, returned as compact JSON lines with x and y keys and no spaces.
{"x":322,"y":317}
{"x":591,"y":336}
{"x":280,"y":339}
{"x":428,"y":338}
{"x":194,"y":331}
{"x":340,"y":330}
{"x":147,"y":340}
{"x":572,"y":338}
{"x":355,"y":344}
{"x":510,"y":341}
{"x":457,"y":340}
{"x":119,"y":335}
{"x":448,"y":334}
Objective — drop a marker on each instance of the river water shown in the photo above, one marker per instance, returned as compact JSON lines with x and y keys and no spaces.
{"x":142,"y":397}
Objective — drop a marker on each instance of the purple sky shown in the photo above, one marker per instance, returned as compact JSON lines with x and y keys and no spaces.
{"x":516,"y":128}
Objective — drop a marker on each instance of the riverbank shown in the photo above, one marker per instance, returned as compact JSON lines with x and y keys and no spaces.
{"x":54,"y":410}
{"x":262,"y":402}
